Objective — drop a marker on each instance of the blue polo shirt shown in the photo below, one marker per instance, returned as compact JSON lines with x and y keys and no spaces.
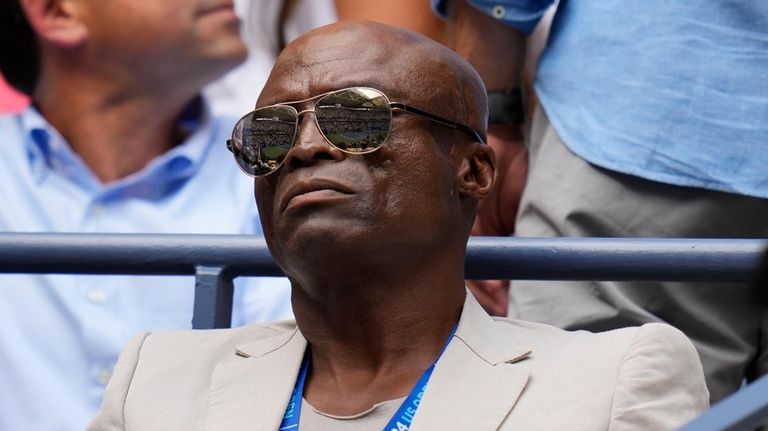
{"x":674,"y":92}
{"x":61,"y":334}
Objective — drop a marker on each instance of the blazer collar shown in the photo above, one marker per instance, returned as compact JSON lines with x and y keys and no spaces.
{"x":474,"y":385}
{"x":492,"y":341}
{"x":251,"y":389}
{"x":478,"y":380}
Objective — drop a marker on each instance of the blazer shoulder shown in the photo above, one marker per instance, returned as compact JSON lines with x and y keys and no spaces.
{"x":213,"y":341}
{"x":646,"y":377}
{"x":614,"y":349}
{"x":533,"y":333}
{"x":543,"y":336}
{"x":156,"y":370}
{"x":660,"y":384}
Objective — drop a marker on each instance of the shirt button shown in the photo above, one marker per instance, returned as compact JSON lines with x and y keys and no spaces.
{"x":499,"y":11}
{"x":97,"y":296}
{"x":103,"y":376}
{"x":97,"y":209}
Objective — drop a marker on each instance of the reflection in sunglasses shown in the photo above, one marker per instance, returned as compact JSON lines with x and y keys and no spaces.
{"x":354,"y":120}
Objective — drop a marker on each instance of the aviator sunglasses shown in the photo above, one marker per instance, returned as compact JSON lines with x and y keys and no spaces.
{"x":355,"y":120}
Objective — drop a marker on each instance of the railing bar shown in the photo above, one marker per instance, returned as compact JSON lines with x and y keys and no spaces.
{"x":213,"y":298}
{"x":742,"y":411}
{"x":510,"y":258}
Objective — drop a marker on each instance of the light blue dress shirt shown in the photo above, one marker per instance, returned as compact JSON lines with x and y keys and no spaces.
{"x":675,"y":92}
{"x":61,"y":334}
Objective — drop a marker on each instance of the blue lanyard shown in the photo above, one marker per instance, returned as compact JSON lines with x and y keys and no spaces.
{"x":401,"y":421}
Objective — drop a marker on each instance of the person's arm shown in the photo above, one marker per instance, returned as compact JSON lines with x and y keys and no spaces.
{"x":408,"y":14}
{"x":494,"y":48}
{"x":497,"y":51}
{"x":661,"y":384}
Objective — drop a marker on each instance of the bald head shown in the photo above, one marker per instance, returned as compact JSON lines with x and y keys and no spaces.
{"x":407,"y":66}
{"x":415,"y":195}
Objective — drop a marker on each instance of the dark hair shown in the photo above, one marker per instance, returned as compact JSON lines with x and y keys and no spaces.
{"x":19,"y":62}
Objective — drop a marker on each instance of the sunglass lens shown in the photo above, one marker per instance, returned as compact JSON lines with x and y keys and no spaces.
{"x":356,"y":120}
{"x":263,"y":137}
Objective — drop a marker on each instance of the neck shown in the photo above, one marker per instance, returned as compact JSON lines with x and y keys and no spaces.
{"x":114,"y":126}
{"x":372,"y":337}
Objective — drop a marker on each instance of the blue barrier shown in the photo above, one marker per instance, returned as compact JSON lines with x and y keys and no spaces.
{"x":487,"y":257}
{"x":744,"y":410}
{"x":215,"y":260}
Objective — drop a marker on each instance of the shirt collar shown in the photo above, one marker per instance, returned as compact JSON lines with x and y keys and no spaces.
{"x":183,"y":160}
{"x":48,"y":152}
{"x":43,"y":142}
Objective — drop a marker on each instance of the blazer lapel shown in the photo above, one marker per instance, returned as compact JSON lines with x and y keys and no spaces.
{"x":476,"y":382}
{"x":251,"y":389}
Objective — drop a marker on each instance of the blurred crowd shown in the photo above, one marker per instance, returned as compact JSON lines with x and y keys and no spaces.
{"x":622,"y":120}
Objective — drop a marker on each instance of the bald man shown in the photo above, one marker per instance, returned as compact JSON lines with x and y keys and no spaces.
{"x":367,"y":146}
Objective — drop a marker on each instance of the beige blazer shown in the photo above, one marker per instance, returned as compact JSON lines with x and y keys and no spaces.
{"x":496,"y":374}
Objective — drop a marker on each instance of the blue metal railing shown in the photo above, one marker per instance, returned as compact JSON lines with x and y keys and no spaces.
{"x":215,"y":260}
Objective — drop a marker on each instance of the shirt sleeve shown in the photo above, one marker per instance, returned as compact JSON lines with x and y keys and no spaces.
{"x":520,"y":14}
{"x":660,"y":384}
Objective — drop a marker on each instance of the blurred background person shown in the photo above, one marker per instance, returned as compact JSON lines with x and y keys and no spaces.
{"x":268,"y":25}
{"x":118,"y":139}
{"x":415,"y":15}
{"x":10,"y":99}
{"x":652,"y":124}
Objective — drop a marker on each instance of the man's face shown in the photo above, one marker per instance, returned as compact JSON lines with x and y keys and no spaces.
{"x":322,"y":200}
{"x":196,"y":36}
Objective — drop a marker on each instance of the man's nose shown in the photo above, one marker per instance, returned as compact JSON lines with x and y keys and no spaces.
{"x":310,"y":146}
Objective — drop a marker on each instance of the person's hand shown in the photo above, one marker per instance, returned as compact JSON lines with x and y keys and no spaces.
{"x":496,"y":214}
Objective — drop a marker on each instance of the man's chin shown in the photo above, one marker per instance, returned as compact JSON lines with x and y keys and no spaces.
{"x":221,"y":41}
{"x":232,"y":52}
{"x":320,"y":236}
{"x":218,"y":62}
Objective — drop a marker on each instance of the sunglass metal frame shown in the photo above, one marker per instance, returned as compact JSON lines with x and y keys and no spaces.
{"x":393,"y":107}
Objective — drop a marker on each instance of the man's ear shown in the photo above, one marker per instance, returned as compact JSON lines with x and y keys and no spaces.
{"x":477,"y":171}
{"x":55,"y":22}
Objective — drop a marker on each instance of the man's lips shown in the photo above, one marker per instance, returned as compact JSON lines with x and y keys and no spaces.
{"x":312,"y":191}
